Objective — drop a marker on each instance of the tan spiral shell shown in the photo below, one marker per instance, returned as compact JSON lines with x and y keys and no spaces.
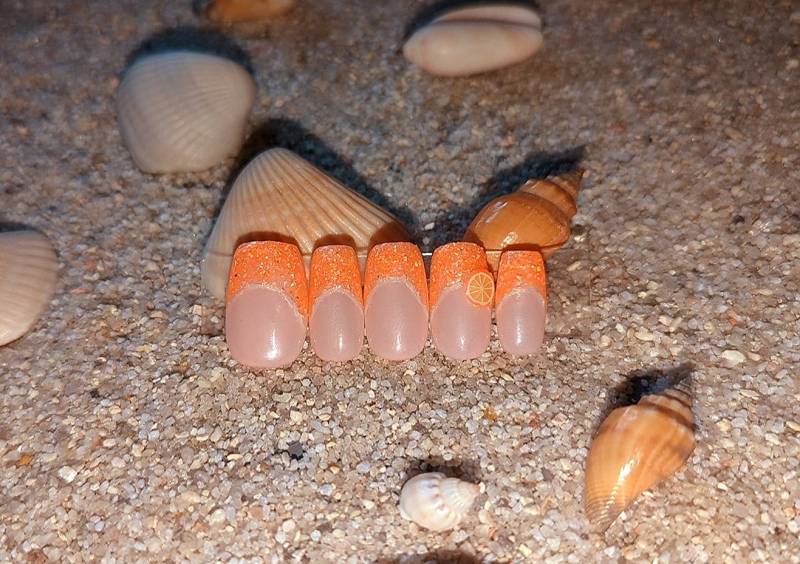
{"x":279,"y":196}
{"x":436,"y":502}
{"x":184,"y":111}
{"x":535,"y":217}
{"x":635,"y":448}
{"x":28,"y":273}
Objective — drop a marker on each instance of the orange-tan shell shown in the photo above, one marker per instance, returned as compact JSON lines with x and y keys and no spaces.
{"x":635,"y":448}
{"x":237,"y":11}
{"x":281,"y":197}
{"x":535,"y":217}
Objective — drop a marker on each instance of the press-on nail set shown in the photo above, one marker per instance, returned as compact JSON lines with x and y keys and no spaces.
{"x":294,"y":252}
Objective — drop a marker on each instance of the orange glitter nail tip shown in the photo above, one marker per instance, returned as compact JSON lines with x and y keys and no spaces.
{"x":521,"y":268}
{"x":396,"y":260}
{"x":461,"y":264}
{"x":334,"y":266}
{"x":272,"y":264}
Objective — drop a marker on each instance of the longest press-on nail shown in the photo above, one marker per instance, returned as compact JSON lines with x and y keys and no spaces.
{"x":521,"y":299}
{"x":461,"y":300}
{"x":396,"y":301}
{"x":267,"y":304}
{"x":336,"y":325}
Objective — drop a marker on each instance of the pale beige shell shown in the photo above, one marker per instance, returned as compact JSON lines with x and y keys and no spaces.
{"x":637,"y":447}
{"x":279,"y":196}
{"x":475,"y":39}
{"x":184,"y":111}
{"x":436,"y":502}
{"x":250,"y":11}
{"x":28,"y":273}
{"x":535,"y":217}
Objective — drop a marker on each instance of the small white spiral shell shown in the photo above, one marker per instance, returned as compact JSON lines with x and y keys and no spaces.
{"x":436,"y":502}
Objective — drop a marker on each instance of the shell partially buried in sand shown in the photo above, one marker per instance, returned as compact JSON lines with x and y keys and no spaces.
{"x":281,"y":197}
{"x":475,"y":39}
{"x":436,"y":502}
{"x":184,"y":111}
{"x":28,"y":273}
{"x":635,"y":448}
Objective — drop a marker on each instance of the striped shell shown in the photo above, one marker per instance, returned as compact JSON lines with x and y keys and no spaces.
{"x":537,"y":216}
{"x":28,"y":272}
{"x":437,"y":502}
{"x":279,"y":196}
{"x":184,"y":111}
{"x":635,"y":448}
{"x":475,"y":39}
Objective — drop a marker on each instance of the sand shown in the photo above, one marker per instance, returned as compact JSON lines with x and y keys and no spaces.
{"x":128,"y":434}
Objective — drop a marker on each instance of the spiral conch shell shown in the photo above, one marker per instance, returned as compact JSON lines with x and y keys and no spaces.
{"x":436,"y":502}
{"x":184,"y":111}
{"x":475,"y":39}
{"x":535,"y":217}
{"x":28,"y":272}
{"x":279,"y":196}
{"x":635,"y":448}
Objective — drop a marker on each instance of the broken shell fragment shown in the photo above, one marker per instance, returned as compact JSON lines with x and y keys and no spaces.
{"x":279,"y":196}
{"x":436,"y":502}
{"x":184,"y":111}
{"x":536,"y":217}
{"x":635,"y":448}
{"x":475,"y":39}
{"x":240,"y":11}
{"x":28,"y":273}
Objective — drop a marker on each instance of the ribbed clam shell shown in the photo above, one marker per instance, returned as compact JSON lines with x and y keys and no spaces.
{"x":279,"y":196}
{"x":184,"y":111}
{"x":437,"y":502}
{"x":635,"y":448}
{"x":28,"y":272}
{"x":475,"y":39}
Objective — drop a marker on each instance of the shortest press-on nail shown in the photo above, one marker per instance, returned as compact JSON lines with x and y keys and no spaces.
{"x":336,"y":325}
{"x":461,"y":300}
{"x":521,"y":299}
{"x":266,"y":304}
{"x":396,"y":301}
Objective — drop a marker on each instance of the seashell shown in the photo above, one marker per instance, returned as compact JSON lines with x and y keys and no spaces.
{"x":475,"y":39}
{"x":28,"y":272}
{"x":535,"y":217}
{"x":239,"y":11}
{"x":184,"y":111}
{"x":635,"y":448}
{"x":279,"y":196}
{"x":436,"y":502}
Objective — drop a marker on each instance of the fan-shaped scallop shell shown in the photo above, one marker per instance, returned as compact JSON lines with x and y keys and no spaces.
{"x":635,"y":448}
{"x":28,"y":272}
{"x":436,"y":502}
{"x":279,"y":196}
{"x":475,"y":39}
{"x":184,"y":111}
